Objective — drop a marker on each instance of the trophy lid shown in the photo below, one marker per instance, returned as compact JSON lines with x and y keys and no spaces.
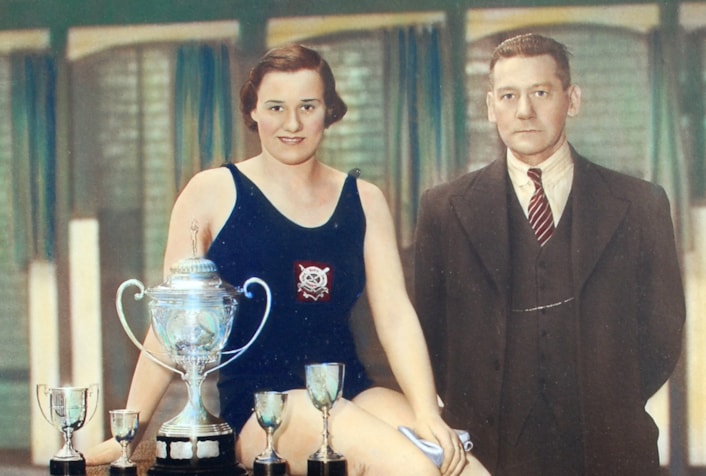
{"x":194,"y":276}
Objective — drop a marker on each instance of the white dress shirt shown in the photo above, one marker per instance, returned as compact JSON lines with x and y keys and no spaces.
{"x":557,"y":176}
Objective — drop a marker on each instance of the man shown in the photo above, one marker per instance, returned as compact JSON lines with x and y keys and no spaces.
{"x":548,"y":340}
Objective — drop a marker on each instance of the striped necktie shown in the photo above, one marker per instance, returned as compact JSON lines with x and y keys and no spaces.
{"x":540,"y":214}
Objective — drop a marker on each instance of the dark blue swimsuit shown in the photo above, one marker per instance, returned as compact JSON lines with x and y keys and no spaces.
{"x":316,"y":275}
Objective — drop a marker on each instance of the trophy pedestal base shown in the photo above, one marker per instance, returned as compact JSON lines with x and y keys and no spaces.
{"x":75,"y":467}
{"x":123,"y":471}
{"x":326,"y":468}
{"x":196,"y":456}
{"x":269,"y":469}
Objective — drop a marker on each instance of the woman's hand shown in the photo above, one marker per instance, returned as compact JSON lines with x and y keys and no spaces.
{"x":433,"y":428}
{"x":103,"y":453}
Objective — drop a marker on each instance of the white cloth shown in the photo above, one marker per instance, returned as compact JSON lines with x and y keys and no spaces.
{"x":433,"y":450}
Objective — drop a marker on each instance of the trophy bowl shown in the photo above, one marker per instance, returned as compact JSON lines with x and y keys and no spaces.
{"x":66,"y":410}
{"x":269,"y":411}
{"x":324,"y":384}
{"x":192,"y":316}
{"x":124,"y":424}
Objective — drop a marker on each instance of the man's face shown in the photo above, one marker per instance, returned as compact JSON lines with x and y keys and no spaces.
{"x":529,"y":105}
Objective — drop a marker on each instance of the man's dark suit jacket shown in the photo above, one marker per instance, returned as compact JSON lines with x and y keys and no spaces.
{"x":629,"y":304}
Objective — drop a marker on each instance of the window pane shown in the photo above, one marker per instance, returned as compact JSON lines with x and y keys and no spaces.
{"x":359,"y":139}
{"x":14,"y":339}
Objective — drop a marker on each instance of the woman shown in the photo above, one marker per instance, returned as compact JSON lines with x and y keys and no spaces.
{"x":284,"y":216}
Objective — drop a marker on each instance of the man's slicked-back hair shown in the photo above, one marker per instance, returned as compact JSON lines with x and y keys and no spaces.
{"x":289,"y":59}
{"x":532,"y":44}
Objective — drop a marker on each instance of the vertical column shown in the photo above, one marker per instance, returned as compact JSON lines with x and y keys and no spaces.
{"x":86,"y":341}
{"x":457,"y":21}
{"x":44,"y":354}
{"x":678,"y":383}
{"x":78,"y":261}
{"x":44,"y":345}
{"x":695,"y":349}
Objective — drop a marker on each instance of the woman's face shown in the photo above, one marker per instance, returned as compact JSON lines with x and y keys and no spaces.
{"x":290,"y":115}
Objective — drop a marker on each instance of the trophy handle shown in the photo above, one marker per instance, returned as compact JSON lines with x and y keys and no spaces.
{"x":93,"y":390}
{"x":119,"y":306}
{"x":42,"y":389}
{"x":238,"y":352}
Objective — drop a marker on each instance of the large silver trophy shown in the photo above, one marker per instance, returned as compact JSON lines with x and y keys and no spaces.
{"x":67,"y":409}
{"x":192,"y":315}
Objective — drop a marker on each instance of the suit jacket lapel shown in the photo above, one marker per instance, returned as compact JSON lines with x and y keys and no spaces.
{"x":482,"y":212}
{"x":597,"y":213}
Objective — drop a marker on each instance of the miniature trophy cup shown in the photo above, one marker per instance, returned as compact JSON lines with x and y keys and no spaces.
{"x":324,"y":384}
{"x":192,"y":315}
{"x":123,"y":426}
{"x":269,"y":408}
{"x":67,"y":411}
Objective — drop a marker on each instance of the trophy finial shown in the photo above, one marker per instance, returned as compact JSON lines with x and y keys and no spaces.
{"x":194,"y":233}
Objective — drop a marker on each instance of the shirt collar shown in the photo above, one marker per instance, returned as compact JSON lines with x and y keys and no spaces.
{"x":553,"y":168}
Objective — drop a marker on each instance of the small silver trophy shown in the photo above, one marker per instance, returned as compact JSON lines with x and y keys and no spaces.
{"x":269,"y":409}
{"x":123,"y":426}
{"x":192,"y":315}
{"x":324,"y":384}
{"x":66,"y":411}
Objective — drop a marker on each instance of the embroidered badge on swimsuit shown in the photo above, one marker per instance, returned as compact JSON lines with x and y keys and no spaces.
{"x":313,"y":281}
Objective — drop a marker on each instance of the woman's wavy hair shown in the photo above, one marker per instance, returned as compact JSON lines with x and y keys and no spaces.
{"x":289,"y":59}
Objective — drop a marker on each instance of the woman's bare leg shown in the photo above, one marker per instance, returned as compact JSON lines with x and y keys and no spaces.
{"x":372,"y":446}
{"x":393,"y":408}
{"x":388,"y":405}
